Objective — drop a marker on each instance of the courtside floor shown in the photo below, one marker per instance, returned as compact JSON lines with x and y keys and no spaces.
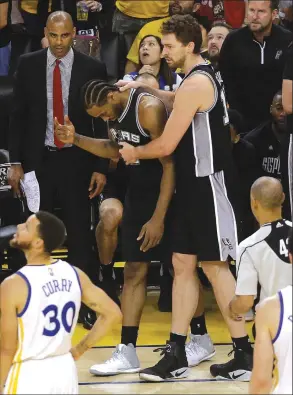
{"x":154,"y":331}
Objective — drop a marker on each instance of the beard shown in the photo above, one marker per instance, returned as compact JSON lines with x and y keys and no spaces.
{"x":259,"y":29}
{"x":19,"y":245}
{"x":214,"y":57}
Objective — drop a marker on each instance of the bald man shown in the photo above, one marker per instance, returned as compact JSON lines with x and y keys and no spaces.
{"x":48,"y":84}
{"x":263,"y":257}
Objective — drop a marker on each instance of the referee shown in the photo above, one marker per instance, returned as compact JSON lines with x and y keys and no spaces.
{"x":263,"y":257}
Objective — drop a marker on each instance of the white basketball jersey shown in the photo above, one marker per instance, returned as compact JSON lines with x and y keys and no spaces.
{"x":264,"y":258}
{"x":283,"y":345}
{"x":46,"y":324}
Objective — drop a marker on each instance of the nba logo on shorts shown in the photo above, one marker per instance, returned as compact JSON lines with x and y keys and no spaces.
{"x":227,"y":243}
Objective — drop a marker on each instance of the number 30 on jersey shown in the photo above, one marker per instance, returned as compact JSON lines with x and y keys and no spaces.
{"x":55,"y":323}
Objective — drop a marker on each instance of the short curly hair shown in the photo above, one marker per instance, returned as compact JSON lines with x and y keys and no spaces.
{"x":186,"y":30}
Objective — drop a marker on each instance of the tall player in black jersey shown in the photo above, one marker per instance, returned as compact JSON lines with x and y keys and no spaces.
{"x":197,"y":131}
{"x":140,"y":118}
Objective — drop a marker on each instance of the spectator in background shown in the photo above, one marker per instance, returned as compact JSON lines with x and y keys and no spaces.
{"x":5,"y":35}
{"x":234,"y":13}
{"x":176,"y":7}
{"x":246,"y":172}
{"x":267,"y":139}
{"x":151,"y":61}
{"x":286,"y":14}
{"x":287,"y":95}
{"x":48,"y":84}
{"x":252,"y":62}
{"x":216,"y":37}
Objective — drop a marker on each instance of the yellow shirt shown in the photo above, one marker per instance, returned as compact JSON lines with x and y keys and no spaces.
{"x":31,"y":6}
{"x":144,"y":9}
{"x":153,"y":28}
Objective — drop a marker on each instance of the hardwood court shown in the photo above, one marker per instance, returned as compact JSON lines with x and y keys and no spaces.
{"x":154,"y":331}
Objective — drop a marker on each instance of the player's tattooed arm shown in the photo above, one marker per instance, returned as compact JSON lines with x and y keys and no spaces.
{"x":108,"y":311}
{"x":99,"y":147}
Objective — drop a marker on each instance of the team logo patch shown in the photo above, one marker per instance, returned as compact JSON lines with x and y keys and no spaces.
{"x":278,"y":54}
{"x":227,"y":243}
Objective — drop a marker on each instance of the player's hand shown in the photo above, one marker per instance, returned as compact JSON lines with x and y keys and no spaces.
{"x":151,"y":233}
{"x":92,"y":5}
{"x":125,"y":85}
{"x":15,"y":174}
{"x":64,"y":133}
{"x":98,"y":181}
{"x":76,"y":355}
{"x":128,"y":153}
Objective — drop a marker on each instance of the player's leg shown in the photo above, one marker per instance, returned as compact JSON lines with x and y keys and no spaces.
{"x":110,"y":216}
{"x":200,"y":347}
{"x":222,"y":242}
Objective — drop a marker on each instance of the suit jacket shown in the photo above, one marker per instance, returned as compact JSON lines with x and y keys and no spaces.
{"x":29,"y":111}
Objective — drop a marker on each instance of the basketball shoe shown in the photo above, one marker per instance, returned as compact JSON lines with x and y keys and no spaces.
{"x":173,"y":365}
{"x":239,"y":368}
{"x":123,"y":360}
{"x":200,"y":348}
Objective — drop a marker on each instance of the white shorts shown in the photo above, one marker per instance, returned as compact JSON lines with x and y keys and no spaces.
{"x":57,"y":375}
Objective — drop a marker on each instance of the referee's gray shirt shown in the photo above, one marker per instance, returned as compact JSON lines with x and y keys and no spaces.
{"x":264,"y":258}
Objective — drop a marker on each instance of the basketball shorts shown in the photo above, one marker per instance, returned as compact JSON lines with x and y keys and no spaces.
{"x":137,"y":211}
{"x":56,"y":375}
{"x":204,"y":221}
{"x":116,"y":186}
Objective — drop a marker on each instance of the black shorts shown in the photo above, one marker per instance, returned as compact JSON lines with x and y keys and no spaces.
{"x":116,"y":186}
{"x":204,"y":222}
{"x":137,"y":211}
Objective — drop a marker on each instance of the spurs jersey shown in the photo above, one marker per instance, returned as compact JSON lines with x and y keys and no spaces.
{"x":145,"y":173}
{"x":205,"y":148}
{"x":283,"y":345}
{"x":46,"y":324}
{"x":264,"y":258}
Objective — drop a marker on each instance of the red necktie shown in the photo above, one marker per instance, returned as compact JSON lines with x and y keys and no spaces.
{"x":58,"y":111}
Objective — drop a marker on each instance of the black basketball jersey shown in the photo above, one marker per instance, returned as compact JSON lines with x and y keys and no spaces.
{"x":145,"y":173}
{"x":206,"y":146}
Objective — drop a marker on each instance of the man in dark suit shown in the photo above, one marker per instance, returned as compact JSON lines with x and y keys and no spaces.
{"x":48,"y":84}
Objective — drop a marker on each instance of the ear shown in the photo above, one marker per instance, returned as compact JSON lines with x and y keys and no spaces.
{"x":46,"y":32}
{"x":38,"y":243}
{"x":112,"y":97}
{"x":283,"y":197}
{"x":190,"y":47}
{"x":74,"y":32}
{"x":271,"y":108}
{"x":196,"y":7}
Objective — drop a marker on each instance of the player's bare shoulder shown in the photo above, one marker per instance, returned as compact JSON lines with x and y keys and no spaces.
{"x":15,"y":289}
{"x":152,"y":113}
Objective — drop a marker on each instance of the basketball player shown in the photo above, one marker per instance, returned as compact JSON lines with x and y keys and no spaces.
{"x":140,"y":118}
{"x":39,"y":310}
{"x":263,"y":257}
{"x":197,"y":132}
{"x":273,"y":344}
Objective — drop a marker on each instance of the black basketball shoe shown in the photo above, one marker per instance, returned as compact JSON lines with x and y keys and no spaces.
{"x":173,"y":365}
{"x":239,"y":368}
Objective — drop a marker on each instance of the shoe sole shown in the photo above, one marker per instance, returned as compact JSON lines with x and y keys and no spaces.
{"x":207,"y":358}
{"x":128,"y":371}
{"x":245,"y":378}
{"x":157,"y":379}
